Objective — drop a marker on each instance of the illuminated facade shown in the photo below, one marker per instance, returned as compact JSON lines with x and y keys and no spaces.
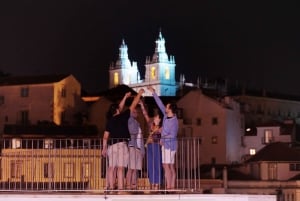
{"x":159,"y":71}
{"x":123,"y":72}
{"x":29,"y":100}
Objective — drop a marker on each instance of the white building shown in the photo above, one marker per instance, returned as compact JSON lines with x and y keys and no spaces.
{"x":159,"y":71}
{"x":257,"y":138}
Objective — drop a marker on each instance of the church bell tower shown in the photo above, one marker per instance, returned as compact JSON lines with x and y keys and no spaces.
{"x":160,"y":70}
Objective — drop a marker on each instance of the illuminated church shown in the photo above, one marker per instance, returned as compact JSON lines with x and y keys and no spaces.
{"x":159,"y":71}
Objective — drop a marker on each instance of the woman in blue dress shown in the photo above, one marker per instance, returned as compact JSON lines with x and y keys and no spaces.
{"x":154,"y":162}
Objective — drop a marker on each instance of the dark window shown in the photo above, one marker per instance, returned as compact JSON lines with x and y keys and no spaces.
{"x":24,"y":117}
{"x":2,"y":100}
{"x":187,"y":121}
{"x":214,"y":121}
{"x":48,"y":170}
{"x":24,"y":92}
{"x":63,"y":92}
{"x":295,"y":167}
{"x":179,"y":113}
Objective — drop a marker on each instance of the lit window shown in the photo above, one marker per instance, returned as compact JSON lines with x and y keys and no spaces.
{"x":153,"y":73}
{"x":252,"y":152}
{"x":116,"y":78}
{"x":268,"y":136}
{"x":48,"y":144}
{"x":16,"y":143}
{"x":167,"y":74}
{"x":69,"y":170}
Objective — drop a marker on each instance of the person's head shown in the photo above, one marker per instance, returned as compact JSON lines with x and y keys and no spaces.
{"x":171,"y":109}
{"x":157,"y":119}
{"x":113,"y":110}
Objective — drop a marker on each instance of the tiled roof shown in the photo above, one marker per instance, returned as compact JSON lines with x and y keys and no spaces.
{"x":38,"y":79}
{"x":278,"y":151}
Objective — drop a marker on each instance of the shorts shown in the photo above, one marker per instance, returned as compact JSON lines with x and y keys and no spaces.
{"x":118,"y":155}
{"x":135,"y":159}
{"x":168,"y":156}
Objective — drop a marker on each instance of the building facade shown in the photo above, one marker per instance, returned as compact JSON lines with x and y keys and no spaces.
{"x":217,"y":122}
{"x":33,"y":99}
{"x":159,"y":71}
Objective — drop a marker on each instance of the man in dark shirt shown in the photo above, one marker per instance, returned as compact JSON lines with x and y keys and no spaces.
{"x":115,"y":140}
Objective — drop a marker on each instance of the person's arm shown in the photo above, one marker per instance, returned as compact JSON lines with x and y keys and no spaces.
{"x":122,"y":103}
{"x":144,"y":111}
{"x":157,"y":100}
{"x":104,"y":143}
{"x":136,"y":100}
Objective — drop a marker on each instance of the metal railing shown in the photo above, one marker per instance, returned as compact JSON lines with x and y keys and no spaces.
{"x":77,"y":165}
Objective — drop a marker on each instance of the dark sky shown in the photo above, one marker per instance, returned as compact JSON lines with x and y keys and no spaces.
{"x":254,"y":42}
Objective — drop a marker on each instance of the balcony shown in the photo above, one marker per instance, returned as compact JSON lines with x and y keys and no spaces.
{"x":77,"y":165}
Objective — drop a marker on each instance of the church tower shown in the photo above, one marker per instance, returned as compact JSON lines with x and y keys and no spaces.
{"x":160,"y":70}
{"x":123,"y":72}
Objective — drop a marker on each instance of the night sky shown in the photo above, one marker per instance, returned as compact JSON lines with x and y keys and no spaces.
{"x":256,"y":43}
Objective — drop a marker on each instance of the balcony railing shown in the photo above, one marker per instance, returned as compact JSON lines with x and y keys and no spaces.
{"x":77,"y":165}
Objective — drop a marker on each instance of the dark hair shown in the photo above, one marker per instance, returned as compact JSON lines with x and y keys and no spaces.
{"x":173,"y":107}
{"x":112,"y":110}
{"x":161,"y":116}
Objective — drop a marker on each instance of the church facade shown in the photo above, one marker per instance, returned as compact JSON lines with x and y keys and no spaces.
{"x":159,"y":71}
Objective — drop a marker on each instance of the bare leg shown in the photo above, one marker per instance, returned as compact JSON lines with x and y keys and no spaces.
{"x":131,"y":179}
{"x":120,"y":175}
{"x":128,"y":178}
{"x":167,"y":175}
{"x":134,"y":179}
{"x":111,"y":178}
{"x":173,"y":176}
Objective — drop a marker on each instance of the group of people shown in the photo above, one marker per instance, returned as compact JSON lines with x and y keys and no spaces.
{"x":123,"y":143}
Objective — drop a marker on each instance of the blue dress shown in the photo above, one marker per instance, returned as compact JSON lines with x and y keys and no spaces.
{"x":154,"y":162}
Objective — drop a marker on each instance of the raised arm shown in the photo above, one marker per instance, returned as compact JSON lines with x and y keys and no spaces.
{"x":136,"y":100}
{"x":122,"y":103}
{"x":157,"y":100}
{"x":144,"y":111}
